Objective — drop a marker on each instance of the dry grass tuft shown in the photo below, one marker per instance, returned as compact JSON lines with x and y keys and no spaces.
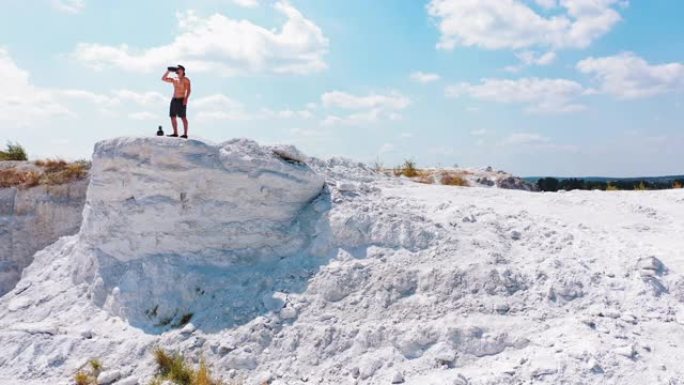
{"x":52,"y":165}
{"x":202,"y":377}
{"x":453,"y":180}
{"x":23,"y":179}
{"x":60,"y":172}
{"x":174,"y":368}
{"x":95,"y":366}
{"x":82,"y":378}
{"x":51,"y":172}
{"x":408,"y":169}
{"x":85,"y":377}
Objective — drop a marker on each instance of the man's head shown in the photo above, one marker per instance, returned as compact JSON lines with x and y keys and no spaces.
{"x":181,"y":70}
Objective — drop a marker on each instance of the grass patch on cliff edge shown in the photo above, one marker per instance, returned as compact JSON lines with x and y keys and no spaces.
{"x":50,"y":172}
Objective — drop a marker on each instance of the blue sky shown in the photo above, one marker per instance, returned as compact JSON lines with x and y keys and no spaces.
{"x":534,"y":87}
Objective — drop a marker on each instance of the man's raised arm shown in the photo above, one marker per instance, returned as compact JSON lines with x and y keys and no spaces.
{"x":166,"y":77}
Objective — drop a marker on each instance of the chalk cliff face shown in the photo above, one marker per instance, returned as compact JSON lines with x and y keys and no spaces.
{"x":171,"y":226}
{"x":33,"y":218}
{"x":154,"y":197}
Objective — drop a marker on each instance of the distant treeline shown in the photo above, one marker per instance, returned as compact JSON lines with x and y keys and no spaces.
{"x":554,"y":184}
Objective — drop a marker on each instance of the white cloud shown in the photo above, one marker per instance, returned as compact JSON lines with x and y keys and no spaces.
{"x":525,"y":138}
{"x":150,"y":98}
{"x":247,"y":3}
{"x":223,"y":45}
{"x":386,"y":148}
{"x":514,"y":24}
{"x":537,"y":141}
{"x":547,"y":4}
{"x":144,"y":115}
{"x":538,"y":95}
{"x":87,"y":96}
{"x":424,"y":78}
{"x":69,"y":6}
{"x":21,"y":102}
{"x":394,"y":101}
{"x":530,"y":58}
{"x":287,"y":113}
{"x":218,"y":107}
{"x":368,"y":109}
{"x":478,"y":132}
{"x":628,"y":76}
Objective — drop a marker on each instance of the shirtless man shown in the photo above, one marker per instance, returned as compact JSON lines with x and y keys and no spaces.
{"x":179,"y":103}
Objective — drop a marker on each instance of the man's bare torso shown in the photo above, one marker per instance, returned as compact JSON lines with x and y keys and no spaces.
{"x":180,"y":87}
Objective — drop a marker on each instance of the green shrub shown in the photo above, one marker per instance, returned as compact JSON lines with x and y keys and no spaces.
{"x":13,"y":151}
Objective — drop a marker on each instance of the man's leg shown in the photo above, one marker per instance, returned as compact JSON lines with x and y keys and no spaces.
{"x":185,"y":126}
{"x":174,"y":124}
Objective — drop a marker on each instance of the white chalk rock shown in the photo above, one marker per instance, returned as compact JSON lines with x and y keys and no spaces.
{"x":650,"y":266}
{"x":288,"y":313}
{"x":628,"y":351}
{"x":108,"y":377}
{"x":679,"y":317}
{"x":156,"y":196}
{"x":188,"y":329}
{"x":274,"y":301}
{"x":128,"y":381}
{"x":398,"y":378}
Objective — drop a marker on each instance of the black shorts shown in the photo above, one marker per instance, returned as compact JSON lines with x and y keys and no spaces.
{"x":177,"y":108}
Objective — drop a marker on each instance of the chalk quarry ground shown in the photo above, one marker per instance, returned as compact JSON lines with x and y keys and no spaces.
{"x":401,"y":283}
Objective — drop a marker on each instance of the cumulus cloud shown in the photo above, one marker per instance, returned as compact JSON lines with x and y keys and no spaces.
{"x":145,"y":116}
{"x":628,"y":76}
{"x":223,"y":45}
{"x":424,"y":78}
{"x":531,"y":58}
{"x":364,"y":109}
{"x":394,"y":101}
{"x":69,"y":6}
{"x":534,"y":140}
{"x":246,"y":3}
{"x":525,"y":138}
{"x":286,"y":113}
{"x":537,"y":95}
{"x":516,"y":24}
{"x":221,"y":107}
{"x":22,"y":102}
